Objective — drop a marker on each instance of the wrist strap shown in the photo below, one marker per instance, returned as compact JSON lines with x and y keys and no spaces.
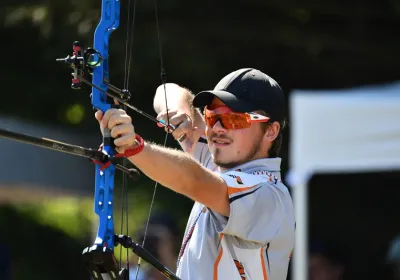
{"x":134,"y":150}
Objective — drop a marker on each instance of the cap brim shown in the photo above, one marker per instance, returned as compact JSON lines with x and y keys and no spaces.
{"x":205,"y":98}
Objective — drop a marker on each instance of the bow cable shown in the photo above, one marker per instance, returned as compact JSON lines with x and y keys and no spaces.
{"x":163,"y":81}
{"x":127,"y":72}
{"x":128,"y":59}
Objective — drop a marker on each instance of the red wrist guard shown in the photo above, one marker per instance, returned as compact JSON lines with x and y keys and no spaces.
{"x":134,"y":150}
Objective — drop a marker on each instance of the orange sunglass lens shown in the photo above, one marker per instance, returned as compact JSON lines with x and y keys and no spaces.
{"x":235,"y":121}
{"x":229,"y":119}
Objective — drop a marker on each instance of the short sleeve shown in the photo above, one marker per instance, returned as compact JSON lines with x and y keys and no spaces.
{"x":257,"y":207}
{"x":202,"y":154}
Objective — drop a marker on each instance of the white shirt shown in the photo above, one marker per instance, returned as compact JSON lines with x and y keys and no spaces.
{"x":257,"y":239}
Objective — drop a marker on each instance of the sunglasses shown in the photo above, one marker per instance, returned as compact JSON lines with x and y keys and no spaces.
{"x":230,"y":119}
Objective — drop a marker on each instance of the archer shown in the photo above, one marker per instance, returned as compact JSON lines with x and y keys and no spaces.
{"x":242,"y":223}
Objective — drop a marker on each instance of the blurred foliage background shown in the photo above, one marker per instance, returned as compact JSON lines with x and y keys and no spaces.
{"x":302,"y":44}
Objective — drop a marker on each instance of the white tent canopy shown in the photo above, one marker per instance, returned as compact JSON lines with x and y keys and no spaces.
{"x":335,"y":131}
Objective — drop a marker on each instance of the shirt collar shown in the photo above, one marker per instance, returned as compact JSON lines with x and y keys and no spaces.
{"x":259,"y":165}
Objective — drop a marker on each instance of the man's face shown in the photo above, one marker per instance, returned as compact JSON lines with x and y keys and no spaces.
{"x":229,"y":148}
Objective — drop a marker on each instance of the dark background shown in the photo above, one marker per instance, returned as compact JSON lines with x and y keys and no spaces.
{"x":357,"y":214}
{"x":301,"y":44}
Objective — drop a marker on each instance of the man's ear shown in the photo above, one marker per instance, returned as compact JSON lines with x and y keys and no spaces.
{"x":272,"y":131}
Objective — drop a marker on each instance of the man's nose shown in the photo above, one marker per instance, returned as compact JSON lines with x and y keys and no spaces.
{"x":219,"y":127}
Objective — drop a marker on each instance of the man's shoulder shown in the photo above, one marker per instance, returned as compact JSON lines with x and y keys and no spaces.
{"x":251,"y":178}
{"x":270,"y":180}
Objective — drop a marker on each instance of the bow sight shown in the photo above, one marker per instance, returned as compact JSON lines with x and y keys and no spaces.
{"x":89,"y":60}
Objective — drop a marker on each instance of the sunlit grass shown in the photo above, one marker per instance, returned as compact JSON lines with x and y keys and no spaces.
{"x":67,"y":214}
{"x":75,"y":217}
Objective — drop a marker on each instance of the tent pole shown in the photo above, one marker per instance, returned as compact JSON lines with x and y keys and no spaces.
{"x":300,"y":253}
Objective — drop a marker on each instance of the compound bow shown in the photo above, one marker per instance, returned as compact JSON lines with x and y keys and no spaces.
{"x":99,"y":258}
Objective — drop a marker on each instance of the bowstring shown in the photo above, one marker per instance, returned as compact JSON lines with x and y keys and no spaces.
{"x":163,"y":81}
{"x":128,"y":61}
{"x":127,"y":72}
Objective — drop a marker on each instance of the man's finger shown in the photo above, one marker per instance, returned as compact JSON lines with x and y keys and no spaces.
{"x":126,"y":140}
{"x":117,"y":119}
{"x":98,"y":115}
{"x":169,"y":112}
{"x":183,"y":125}
{"x":163,"y":116}
{"x":182,"y":137}
{"x":109,"y":113}
{"x":121,"y":129}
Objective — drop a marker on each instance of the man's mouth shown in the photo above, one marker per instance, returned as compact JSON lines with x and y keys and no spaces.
{"x":220,"y":142}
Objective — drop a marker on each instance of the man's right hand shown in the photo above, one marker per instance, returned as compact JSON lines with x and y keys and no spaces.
{"x":184,"y":127}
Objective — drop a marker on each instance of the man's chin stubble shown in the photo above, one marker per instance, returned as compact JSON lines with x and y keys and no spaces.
{"x":226,"y":165}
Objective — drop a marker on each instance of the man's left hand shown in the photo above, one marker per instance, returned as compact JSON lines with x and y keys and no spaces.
{"x":121,"y":127}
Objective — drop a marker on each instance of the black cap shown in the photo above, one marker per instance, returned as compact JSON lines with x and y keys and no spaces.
{"x":247,"y":90}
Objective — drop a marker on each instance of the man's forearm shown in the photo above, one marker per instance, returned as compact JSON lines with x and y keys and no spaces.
{"x":171,"y":168}
{"x":181,"y":173}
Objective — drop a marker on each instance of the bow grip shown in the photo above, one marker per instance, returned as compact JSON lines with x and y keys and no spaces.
{"x":108,"y":141}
